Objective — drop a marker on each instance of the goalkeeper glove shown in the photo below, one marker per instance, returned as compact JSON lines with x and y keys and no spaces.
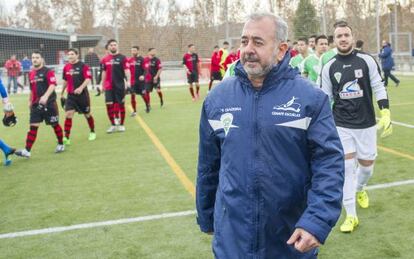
{"x":385,"y":122}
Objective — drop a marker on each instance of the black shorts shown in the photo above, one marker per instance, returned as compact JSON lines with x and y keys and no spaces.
{"x":138,"y":87}
{"x":80,"y":103}
{"x":149,"y":86}
{"x":115,"y":95}
{"x":192,"y":78}
{"x":49,"y":113}
{"x":216,"y":75}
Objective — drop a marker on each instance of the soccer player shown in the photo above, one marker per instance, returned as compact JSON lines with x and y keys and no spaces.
{"x":330,"y":53}
{"x":136,"y":66}
{"x":232,"y":57}
{"x":191,"y":64}
{"x":311,"y":64}
{"x":76,"y":78}
{"x":153,"y":69}
{"x":7,"y":150}
{"x":215,"y":73}
{"x":359,"y":45}
{"x":303,"y":48}
{"x":42,"y":104}
{"x":350,"y":79}
{"x":312,"y":43}
{"x":115,"y":82}
{"x":223,"y":53}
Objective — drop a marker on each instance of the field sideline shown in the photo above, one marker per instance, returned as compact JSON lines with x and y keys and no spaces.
{"x":150,"y":170}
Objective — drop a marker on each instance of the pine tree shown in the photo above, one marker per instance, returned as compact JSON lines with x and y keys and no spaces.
{"x":305,"y":22}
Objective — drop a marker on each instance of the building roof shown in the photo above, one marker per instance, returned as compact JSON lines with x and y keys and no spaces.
{"x":46,"y":34}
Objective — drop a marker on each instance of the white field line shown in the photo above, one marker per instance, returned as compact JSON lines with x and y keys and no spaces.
{"x":149,"y":218}
{"x":402,"y":124}
{"x":389,"y":185}
{"x":96,"y":224}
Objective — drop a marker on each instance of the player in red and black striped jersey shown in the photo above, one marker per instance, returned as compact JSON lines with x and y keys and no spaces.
{"x":191,"y":64}
{"x":153,"y":68}
{"x":42,"y":104}
{"x":76,"y":78}
{"x":136,"y":66}
{"x":230,"y":58}
{"x":115,"y":82}
{"x":215,"y":73}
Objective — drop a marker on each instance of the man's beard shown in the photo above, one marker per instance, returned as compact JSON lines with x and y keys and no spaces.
{"x":113,"y":51}
{"x":37,"y":65}
{"x":345,"y":51}
{"x":260,"y":71}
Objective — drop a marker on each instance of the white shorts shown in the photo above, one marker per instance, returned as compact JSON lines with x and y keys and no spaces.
{"x":363,"y":142}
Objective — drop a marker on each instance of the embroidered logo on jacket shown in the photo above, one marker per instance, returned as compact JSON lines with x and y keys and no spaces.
{"x":289,"y":106}
{"x":225,"y":122}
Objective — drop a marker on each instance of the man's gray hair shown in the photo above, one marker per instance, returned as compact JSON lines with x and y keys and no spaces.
{"x":280,"y":24}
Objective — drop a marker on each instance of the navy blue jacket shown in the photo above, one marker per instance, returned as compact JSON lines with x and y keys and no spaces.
{"x":387,"y":61}
{"x":269,"y":161}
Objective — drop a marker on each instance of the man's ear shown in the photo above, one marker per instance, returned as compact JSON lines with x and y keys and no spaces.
{"x":282,"y":47}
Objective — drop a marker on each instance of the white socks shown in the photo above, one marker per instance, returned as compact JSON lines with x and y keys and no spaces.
{"x":364,"y":173}
{"x":348,"y":199}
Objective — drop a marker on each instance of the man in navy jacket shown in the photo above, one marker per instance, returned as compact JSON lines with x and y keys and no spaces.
{"x":270,"y":169}
{"x":387,"y":63}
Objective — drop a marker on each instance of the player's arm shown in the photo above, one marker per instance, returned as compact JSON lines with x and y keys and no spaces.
{"x":64,"y":85}
{"x":378,"y":88}
{"x":207,"y":173}
{"x":127,"y":71}
{"x":185,"y":66}
{"x":103,"y":78}
{"x":158,"y":72}
{"x":52,"y":85}
{"x":305,"y":71}
{"x":3,"y":93}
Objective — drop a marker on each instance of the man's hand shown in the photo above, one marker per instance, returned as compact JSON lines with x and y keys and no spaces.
{"x":43,"y":100}
{"x":303,"y":240}
{"x":385,"y":122}
{"x":155,"y":80}
{"x":78,"y":91}
{"x":141,"y":78}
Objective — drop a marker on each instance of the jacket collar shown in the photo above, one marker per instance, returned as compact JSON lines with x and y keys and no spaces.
{"x":282,"y":70}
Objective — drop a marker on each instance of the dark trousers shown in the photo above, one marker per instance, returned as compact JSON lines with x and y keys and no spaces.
{"x":387,"y":74}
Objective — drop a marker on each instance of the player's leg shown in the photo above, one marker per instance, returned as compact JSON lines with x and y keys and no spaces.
{"x":109,"y":101}
{"x":91,"y":123}
{"x":68,"y":124}
{"x":7,"y":151}
{"x":15,"y":85}
{"x":52,"y":119}
{"x":36,"y":117}
{"x":159,"y":92}
{"x":197,"y":86}
{"x":366,"y":142}
{"x":348,"y":200}
{"x":147,"y":96}
{"x":133,"y":104}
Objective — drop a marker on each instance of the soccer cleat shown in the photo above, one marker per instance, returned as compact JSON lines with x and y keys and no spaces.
{"x":148,"y":109}
{"x":92,"y":136}
{"x":162,"y":102}
{"x":349,"y":224}
{"x":111,"y":129}
{"x":66,"y":141}
{"x":22,"y":153}
{"x":363,"y":199}
{"x":133,"y":114}
{"x":121,"y":128}
{"x":60,"y":148}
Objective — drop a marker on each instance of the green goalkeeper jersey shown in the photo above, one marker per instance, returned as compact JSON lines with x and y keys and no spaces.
{"x":297,"y":61}
{"x":311,"y":67}
{"x":328,"y":55}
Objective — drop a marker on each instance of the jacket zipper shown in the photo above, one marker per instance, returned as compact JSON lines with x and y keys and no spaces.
{"x":256,"y":178}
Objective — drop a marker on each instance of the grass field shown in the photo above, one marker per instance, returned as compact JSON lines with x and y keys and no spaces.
{"x":124,"y":175}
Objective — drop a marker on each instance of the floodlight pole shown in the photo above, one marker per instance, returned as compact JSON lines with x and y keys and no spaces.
{"x":378,"y":26}
{"x":226,"y":18}
{"x":115,"y":19}
{"x":324,"y":17}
